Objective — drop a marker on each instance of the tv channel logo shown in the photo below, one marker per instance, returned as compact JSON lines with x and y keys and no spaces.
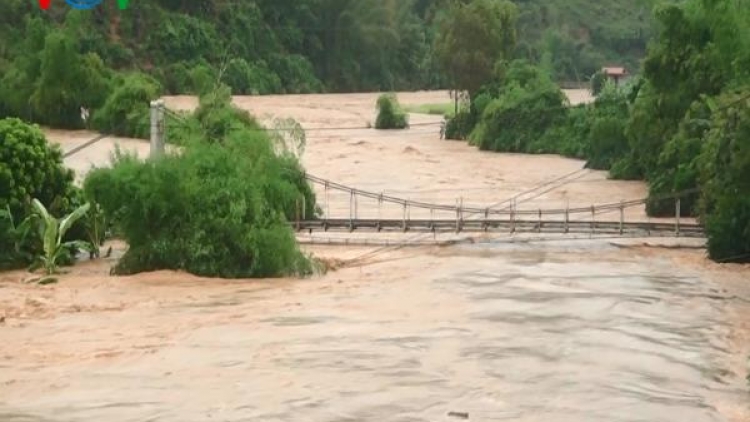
{"x":83,"y":4}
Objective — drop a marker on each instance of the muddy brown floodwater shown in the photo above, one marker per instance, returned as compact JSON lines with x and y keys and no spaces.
{"x":571,"y":330}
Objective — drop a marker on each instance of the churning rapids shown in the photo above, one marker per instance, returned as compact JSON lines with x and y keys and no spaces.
{"x":570,"y":330}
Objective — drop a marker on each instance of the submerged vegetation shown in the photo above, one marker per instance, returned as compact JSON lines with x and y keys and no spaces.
{"x":219,"y":208}
{"x":390,"y":114}
{"x":440,"y":109}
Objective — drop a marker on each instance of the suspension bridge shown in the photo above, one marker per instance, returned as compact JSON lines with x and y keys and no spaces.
{"x":368,"y":211}
{"x":375,"y":212}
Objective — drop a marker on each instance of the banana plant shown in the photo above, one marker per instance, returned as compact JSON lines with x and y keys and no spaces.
{"x":52,"y":231}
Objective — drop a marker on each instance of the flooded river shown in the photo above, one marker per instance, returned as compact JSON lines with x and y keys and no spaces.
{"x":566,"y":330}
{"x":563,"y":332}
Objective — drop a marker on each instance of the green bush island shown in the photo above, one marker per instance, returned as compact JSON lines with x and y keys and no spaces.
{"x":214,"y":210}
{"x":219,"y":208}
{"x":390,"y":114}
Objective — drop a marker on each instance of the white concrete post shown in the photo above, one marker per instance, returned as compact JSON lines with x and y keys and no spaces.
{"x":157,"y":128}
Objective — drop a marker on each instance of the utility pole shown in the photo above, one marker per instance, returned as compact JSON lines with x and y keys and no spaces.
{"x":157,"y":128}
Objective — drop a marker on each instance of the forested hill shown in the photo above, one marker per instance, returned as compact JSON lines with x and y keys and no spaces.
{"x":265,"y":46}
{"x":577,"y":37}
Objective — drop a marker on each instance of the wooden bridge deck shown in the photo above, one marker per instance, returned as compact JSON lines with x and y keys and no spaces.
{"x":645,"y":229}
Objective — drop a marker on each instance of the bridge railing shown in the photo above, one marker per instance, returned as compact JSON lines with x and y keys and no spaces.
{"x":363,"y":208}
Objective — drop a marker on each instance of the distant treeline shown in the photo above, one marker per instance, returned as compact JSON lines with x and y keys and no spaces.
{"x":271,"y":46}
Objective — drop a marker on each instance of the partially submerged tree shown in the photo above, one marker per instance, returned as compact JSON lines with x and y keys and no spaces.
{"x":390,"y":115}
{"x":219,"y":208}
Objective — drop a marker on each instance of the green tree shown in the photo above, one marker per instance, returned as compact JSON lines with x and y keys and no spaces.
{"x":126,"y":111}
{"x":30,"y":168}
{"x":528,"y":105}
{"x":367,"y":44}
{"x":19,"y":79}
{"x":725,"y":179}
{"x":219,"y":208}
{"x":472,"y":38}
{"x":67,"y":82}
{"x":246,"y":78}
{"x":598,"y":79}
{"x":691,"y":58}
{"x":679,"y":163}
{"x":607,"y":142}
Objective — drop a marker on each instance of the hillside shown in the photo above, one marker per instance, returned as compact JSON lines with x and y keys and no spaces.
{"x":577,"y":37}
{"x":265,"y":46}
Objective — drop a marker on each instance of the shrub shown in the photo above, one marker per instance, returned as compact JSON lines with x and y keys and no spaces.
{"x":202,"y":78}
{"x":296,"y":73}
{"x":514,"y":121}
{"x":626,"y":168}
{"x":598,"y":80}
{"x":728,"y":228}
{"x":460,"y":126}
{"x":246,"y":78}
{"x":570,"y":138}
{"x":29,"y":168}
{"x":220,"y":208}
{"x":175,"y":78}
{"x":18,"y":240}
{"x":214,"y":210}
{"x":608,"y":118}
{"x":126,"y":111}
{"x":678,"y":164}
{"x":216,"y":118}
{"x":724,"y":166}
{"x":608,"y":142}
{"x":390,"y":115}
{"x":238,"y":75}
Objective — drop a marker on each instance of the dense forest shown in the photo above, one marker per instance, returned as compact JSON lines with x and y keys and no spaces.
{"x":270,"y":46}
{"x":683,"y":125}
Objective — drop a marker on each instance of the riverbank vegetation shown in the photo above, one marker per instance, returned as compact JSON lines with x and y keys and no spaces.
{"x":218,"y":208}
{"x":439,"y":109}
{"x":31,"y":169}
{"x":681,"y":125}
{"x":678,"y":124}
{"x":57,"y":60}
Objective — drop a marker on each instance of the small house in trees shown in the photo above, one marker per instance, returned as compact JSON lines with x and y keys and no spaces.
{"x":615,"y":74}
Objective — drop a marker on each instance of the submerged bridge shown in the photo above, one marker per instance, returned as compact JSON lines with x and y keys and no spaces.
{"x":369,"y":211}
